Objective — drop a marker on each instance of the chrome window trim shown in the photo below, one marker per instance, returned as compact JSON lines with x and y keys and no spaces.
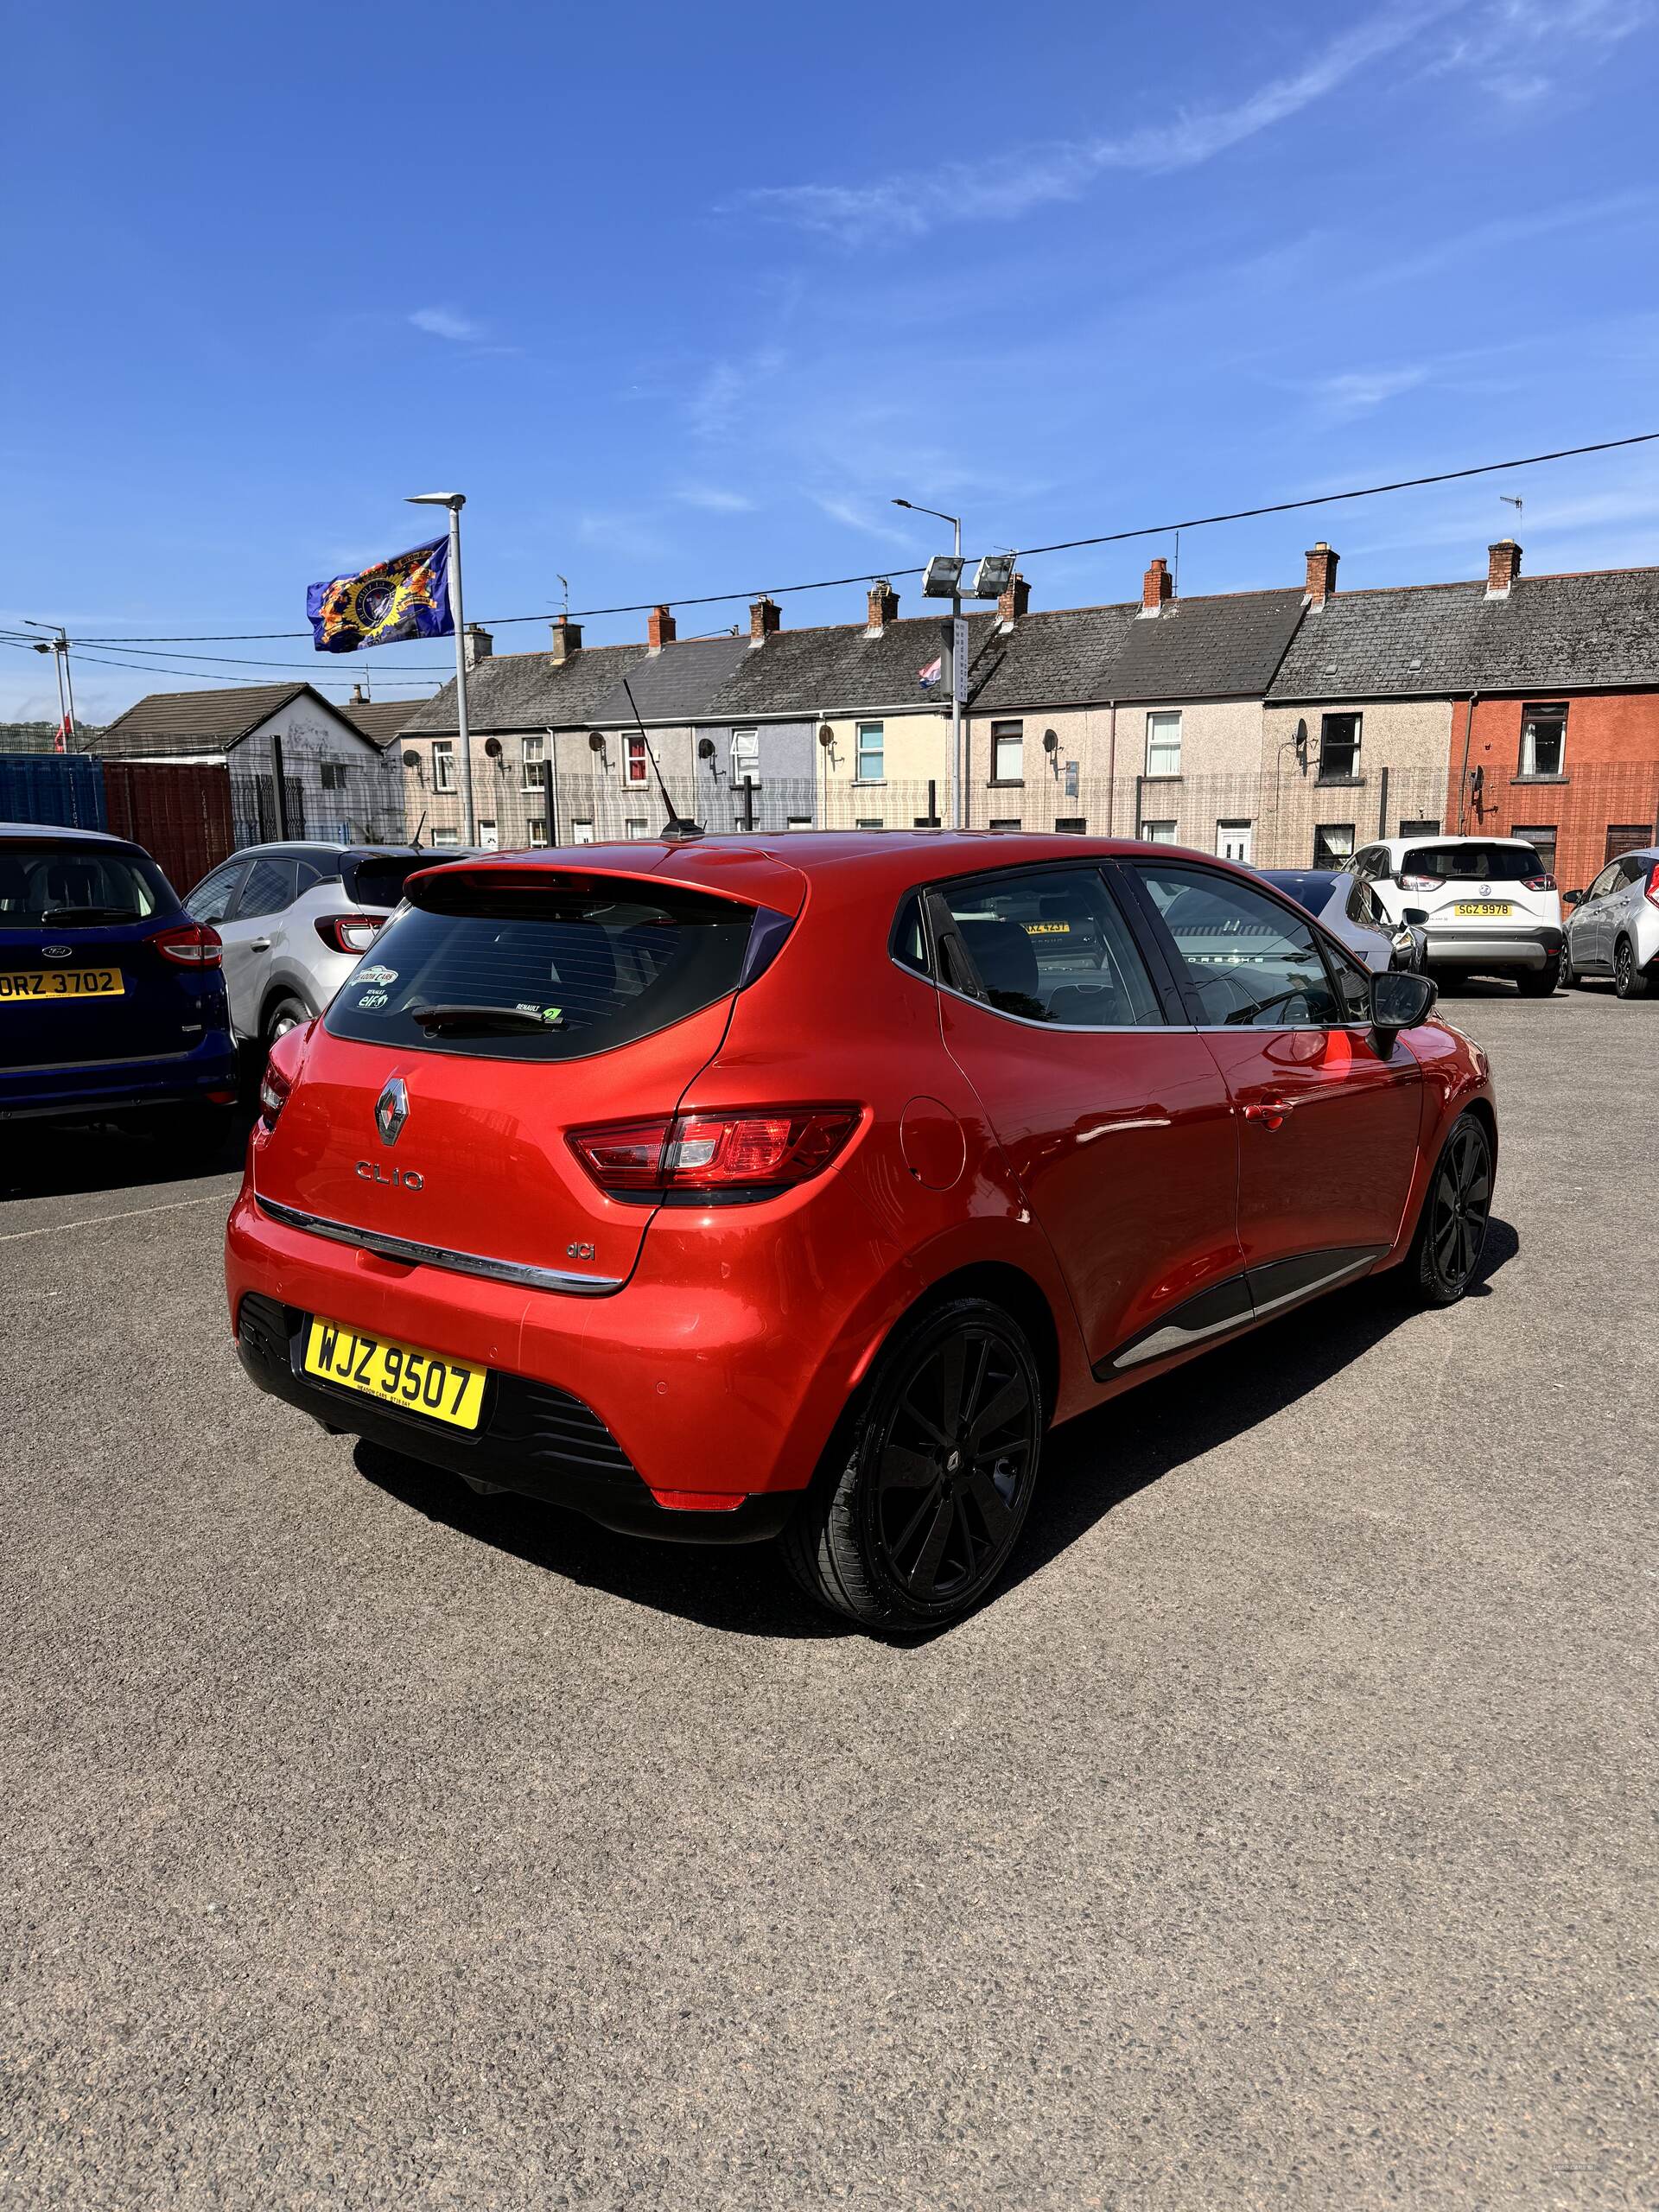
{"x":412,"y":1254}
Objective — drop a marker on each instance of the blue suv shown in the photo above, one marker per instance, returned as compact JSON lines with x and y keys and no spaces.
{"x":112,"y":998}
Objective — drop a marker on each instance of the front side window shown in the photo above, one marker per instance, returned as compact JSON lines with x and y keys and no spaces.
{"x":443,"y":765}
{"x":535,"y":762}
{"x":1339,"y":747}
{"x":634,"y":766}
{"x":872,"y":753}
{"x":1163,"y":744}
{"x":1007,"y":753}
{"x":1247,"y":959}
{"x":1050,"y":947}
{"x":1610,"y":879}
{"x":746,"y":756}
{"x":1543,"y":740}
{"x":1333,"y":844}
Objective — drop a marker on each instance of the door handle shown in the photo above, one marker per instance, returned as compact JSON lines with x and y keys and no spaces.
{"x":258,"y":944}
{"x":1270,"y":1112}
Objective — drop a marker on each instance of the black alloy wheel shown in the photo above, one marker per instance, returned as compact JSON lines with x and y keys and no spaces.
{"x":918,"y":1513}
{"x":1452,"y":1234}
{"x":1629,"y":981}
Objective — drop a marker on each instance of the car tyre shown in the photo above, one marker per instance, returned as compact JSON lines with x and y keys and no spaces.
{"x":1571,"y":979}
{"x":925,"y":1485}
{"x":1457,"y":1211}
{"x":287,"y":1013}
{"x":1629,"y":981}
{"x":1540,"y":982}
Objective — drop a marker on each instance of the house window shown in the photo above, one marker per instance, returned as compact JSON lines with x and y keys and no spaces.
{"x":869,"y":822}
{"x":1007,"y":822}
{"x":1541,"y":837}
{"x":871,"y":756}
{"x":1333,"y":844}
{"x":1072,"y":825}
{"x":333,"y":774}
{"x":800,"y":821}
{"x":1007,"y":753}
{"x":1429,"y":826}
{"x":1339,"y":747}
{"x":636,"y":829}
{"x":443,"y":765}
{"x":538,"y":830}
{"x":581,"y":830}
{"x":1622,"y":837}
{"x":1233,"y":842}
{"x":535,"y":762}
{"x":446,"y":837}
{"x":746,"y":756}
{"x":1158,"y":833}
{"x":1543,"y":740}
{"x":1163,"y":745}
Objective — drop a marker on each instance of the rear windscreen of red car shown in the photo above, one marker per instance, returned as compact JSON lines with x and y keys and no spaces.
{"x":66,"y":884}
{"x":1466,"y":862}
{"x":602,"y":962}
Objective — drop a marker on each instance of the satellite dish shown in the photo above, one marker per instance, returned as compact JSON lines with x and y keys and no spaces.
{"x":596,"y":742}
{"x":411,"y":758}
{"x":826,"y":737}
{"x":1051,"y":741}
{"x":493,"y":747}
{"x":705,"y":748}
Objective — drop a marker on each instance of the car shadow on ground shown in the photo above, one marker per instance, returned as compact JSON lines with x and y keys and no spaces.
{"x":53,"y":1160}
{"x":1091,"y":1466}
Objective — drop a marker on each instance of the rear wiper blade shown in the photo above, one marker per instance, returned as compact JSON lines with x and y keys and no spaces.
{"x":90,"y":914}
{"x":484,"y":1018}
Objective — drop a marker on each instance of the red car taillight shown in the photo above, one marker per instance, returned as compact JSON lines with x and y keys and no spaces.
{"x":1537,"y":883}
{"x":193,"y":944}
{"x":1653,"y":886}
{"x":1421,"y":882}
{"x":274,"y":1087}
{"x":352,"y":933}
{"x":760,"y":1149}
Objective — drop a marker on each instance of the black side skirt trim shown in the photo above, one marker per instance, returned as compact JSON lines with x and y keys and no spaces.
{"x":1239,"y":1302}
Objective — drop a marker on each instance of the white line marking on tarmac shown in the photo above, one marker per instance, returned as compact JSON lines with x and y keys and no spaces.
{"x":97,"y":1220}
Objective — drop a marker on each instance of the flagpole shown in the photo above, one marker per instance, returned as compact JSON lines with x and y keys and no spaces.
{"x":455,"y":501}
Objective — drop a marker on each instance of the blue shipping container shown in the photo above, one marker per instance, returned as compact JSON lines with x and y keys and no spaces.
{"x":66,"y":788}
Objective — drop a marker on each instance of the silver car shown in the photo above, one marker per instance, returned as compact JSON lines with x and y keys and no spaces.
{"x":295,"y":919}
{"x":1613,"y":929}
{"x":1349,"y":909}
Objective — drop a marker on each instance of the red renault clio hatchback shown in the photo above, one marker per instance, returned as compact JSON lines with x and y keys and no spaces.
{"x":732,"y":1189}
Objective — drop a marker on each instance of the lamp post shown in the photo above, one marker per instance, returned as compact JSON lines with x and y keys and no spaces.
{"x":58,"y":649}
{"x":955,"y":522}
{"x":455,"y":501}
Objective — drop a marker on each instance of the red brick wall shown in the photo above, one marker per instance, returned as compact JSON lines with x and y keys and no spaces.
{"x":1612,"y":763}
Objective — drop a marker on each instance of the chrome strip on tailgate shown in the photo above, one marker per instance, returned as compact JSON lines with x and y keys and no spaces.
{"x":437,"y":1255}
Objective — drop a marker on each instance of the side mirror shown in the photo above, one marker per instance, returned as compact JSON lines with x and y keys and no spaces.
{"x":1399,"y":1000}
{"x":1415,"y":917}
{"x":1573,"y":898}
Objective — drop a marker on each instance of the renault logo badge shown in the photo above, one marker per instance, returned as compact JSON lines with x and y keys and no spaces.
{"x":391,"y":1109}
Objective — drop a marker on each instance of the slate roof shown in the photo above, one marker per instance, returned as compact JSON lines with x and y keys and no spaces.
{"x":674,"y":685}
{"x":200,"y":721}
{"x":1553,"y":633}
{"x":518,"y":691}
{"x":837,"y":669}
{"x":378,"y":720}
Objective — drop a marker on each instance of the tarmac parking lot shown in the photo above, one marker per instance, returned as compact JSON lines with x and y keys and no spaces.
{"x":1282,"y":1832}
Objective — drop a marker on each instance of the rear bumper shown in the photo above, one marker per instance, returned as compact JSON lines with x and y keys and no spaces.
{"x":95,"y":1089}
{"x":1532,"y":947}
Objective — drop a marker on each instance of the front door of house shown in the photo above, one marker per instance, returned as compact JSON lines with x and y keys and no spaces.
{"x":1233,"y":841}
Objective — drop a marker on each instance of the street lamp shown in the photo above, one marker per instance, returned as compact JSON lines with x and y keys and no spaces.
{"x":58,"y":649}
{"x":455,"y":501}
{"x":944,"y":580}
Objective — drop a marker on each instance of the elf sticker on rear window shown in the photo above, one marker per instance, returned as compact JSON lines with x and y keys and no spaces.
{"x":371,"y":1000}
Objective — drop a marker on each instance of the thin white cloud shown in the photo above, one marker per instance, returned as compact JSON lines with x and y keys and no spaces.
{"x":862,"y":516}
{"x":1356,"y":391}
{"x":444,"y":323}
{"x":1513,"y":46}
{"x":1002,"y":187}
{"x":715,"y":499}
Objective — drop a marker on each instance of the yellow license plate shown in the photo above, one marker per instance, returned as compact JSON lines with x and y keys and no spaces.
{"x":398,"y":1375}
{"x":1484,"y":910}
{"x":38,"y":983}
{"x":1048,"y":929}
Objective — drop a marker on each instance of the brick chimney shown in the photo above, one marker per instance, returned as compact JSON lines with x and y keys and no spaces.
{"x":884,"y":607}
{"x":359,"y":697}
{"x":477,"y":644}
{"x":1156,"y":587}
{"x":660,"y":630}
{"x":765,"y":620}
{"x":1014,"y":602}
{"x":1321,"y":575}
{"x":567,"y":640}
{"x":1503,"y":567}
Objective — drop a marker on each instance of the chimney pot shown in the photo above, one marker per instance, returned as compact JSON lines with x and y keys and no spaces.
{"x":1503,"y":567}
{"x":357,"y":698}
{"x":567,"y":640}
{"x":1156,"y":586}
{"x":660,"y":630}
{"x":1321,"y":574}
{"x":1014,"y":602}
{"x":477,"y":644}
{"x":765,"y":620}
{"x":884,"y":607}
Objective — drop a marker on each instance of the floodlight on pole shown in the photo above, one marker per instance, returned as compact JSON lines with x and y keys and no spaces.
{"x":944,"y":580}
{"x":59,"y":648}
{"x":454,"y":501}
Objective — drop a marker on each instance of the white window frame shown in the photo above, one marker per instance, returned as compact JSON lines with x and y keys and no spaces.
{"x":631,"y":761}
{"x":1162,"y":747}
{"x":1160,"y":832}
{"x":798,"y":822}
{"x":1528,"y":740}
{"x":633,"y":830}
{"x":862,"y":751}
{"x":445,"y":837}
{"x":538,"y":830}
{"x":1336,"y":860}
{"x":746,"y":757}
{"x":534,"y":763}
{"x":444,"y":764}
{"x":1007,"y":737}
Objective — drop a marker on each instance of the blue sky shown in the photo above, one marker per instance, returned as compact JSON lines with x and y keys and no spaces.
{"x":681,"y":298}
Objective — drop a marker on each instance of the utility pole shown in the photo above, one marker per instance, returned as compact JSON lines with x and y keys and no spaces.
{"x":954,"y":655}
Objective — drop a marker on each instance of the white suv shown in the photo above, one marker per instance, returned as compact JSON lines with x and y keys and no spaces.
{"x":1613,"y":927}
{"x":1486,"y":905}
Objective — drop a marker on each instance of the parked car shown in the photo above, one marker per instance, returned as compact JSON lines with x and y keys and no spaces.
{"x":1349,"y":909}
{"x":295,"y":919}
{"x":725,"y":1193}
{"x":1613,"y":929}
{"x":111,"y":999}
{"x":1487,"y":906}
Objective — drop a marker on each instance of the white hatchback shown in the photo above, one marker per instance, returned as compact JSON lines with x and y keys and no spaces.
{"x":1486,"y":905}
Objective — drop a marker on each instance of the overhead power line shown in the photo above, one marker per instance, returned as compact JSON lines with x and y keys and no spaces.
{"x":1030,"y":552}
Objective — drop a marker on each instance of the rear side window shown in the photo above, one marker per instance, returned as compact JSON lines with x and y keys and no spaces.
{"x":271,"y":885}
{"x":1468,"y":861}
{"x":378,"y":879}
{"x":574,"y":965}
{"x":1053,"y":947}
{"x":64,"y":885}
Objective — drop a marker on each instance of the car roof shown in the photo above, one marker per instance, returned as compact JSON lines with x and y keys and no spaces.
{"x":1449,"y":837}
{"x":55,"y":832}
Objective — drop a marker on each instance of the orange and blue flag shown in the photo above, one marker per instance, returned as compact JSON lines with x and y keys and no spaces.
{"x":407,"y":596}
